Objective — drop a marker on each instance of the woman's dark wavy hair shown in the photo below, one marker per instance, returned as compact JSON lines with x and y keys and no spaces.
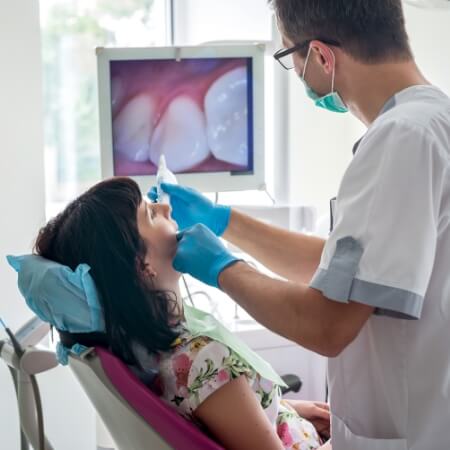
{"x":100,"y":228}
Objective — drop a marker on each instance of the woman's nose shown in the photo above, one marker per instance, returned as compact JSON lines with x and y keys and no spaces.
{"x":164,"y":209}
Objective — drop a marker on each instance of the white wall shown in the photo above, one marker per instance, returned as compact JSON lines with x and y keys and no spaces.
{"x":321,"y":142}
{"x":22,"y":184}
{"x":198,"y":21}
{"x":430,"y":38}
{"x":22,"y":200}
{"x":320,"y":145}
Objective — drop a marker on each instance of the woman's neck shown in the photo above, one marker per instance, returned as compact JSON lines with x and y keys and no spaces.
{"x":177,"y":292}
{"x":173,"y":287}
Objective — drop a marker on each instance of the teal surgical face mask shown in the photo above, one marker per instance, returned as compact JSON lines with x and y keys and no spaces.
{"x":333,"y":101}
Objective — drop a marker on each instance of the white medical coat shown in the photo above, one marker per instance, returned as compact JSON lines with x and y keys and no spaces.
{"x":390,"y":248}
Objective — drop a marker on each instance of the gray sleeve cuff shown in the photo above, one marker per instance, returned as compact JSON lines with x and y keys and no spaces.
{"x":338,"y":283}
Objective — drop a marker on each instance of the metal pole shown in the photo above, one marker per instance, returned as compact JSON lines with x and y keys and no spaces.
{"x":172,"y":22}
{"x":24,"y":445}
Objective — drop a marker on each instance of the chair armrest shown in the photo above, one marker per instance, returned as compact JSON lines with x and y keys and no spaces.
{"x":294,"y":383}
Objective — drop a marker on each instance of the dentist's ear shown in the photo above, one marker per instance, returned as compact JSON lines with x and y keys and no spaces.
{"x":324,"y":56}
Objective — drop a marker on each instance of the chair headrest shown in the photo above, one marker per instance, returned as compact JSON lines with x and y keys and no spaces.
{"x":66,"y":299}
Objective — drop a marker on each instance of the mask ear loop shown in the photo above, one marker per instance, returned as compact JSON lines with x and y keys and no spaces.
{"x":334,"y":76}
{"x":306,"y":63}
{"x":334,"y":71}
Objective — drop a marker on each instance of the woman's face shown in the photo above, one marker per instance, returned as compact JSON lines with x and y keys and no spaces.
{"x":158,"y":231}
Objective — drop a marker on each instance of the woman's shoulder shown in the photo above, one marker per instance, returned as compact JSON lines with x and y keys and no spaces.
{"x":203,"y":350}
{"x":196,"y":366}
{"x":186,"y":342}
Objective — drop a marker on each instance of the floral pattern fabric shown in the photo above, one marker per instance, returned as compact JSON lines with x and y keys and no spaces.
{"x":198,"y":366}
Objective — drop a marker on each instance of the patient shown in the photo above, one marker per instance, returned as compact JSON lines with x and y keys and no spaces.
{"x":129,"y":244}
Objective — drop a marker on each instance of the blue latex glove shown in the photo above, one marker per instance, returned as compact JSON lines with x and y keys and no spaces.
{"x":189,"y":207}
{"x":201,"y":254}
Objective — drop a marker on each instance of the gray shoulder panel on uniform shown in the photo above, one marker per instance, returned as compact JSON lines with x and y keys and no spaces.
{"x":338,"y":283}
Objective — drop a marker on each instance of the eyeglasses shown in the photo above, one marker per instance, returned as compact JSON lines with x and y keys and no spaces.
{"x":285,"y":56}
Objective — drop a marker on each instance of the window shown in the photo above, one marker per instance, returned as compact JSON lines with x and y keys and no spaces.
{"x":71,"y":30}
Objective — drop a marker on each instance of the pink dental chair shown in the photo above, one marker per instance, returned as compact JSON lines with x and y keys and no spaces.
{"x":136,"y":418}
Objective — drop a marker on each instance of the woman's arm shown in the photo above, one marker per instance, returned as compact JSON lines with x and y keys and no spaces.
{"x":236,"y":419}
{"x":294,"y":256}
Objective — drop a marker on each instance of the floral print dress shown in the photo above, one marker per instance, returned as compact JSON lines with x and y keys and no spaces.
{"x":197,"y":366}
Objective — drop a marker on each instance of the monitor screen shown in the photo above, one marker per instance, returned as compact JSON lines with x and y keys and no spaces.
{"x":202,"y":107}
{"x":198,"y":112}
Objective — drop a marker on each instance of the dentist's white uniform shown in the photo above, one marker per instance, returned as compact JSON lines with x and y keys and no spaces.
{"x":390,"y":248}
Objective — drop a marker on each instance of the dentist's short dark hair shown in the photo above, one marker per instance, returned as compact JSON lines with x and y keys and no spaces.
{"x":371,"y":31}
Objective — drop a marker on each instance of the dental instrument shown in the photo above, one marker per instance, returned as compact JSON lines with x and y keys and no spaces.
{"x":164,"y":175}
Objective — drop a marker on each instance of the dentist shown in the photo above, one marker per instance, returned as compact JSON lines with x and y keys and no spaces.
{"x":374,"y":297}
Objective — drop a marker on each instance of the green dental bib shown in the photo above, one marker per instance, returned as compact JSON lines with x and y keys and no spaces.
{"x":200,"y":323}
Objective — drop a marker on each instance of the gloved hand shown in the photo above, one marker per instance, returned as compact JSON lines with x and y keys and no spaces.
{"x":189,"y":207}
{"x":202,"y":255}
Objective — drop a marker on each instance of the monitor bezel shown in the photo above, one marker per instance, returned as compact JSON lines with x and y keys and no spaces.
{"x":205,"y":182}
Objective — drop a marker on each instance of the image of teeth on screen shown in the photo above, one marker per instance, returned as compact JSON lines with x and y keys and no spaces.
{"x":196,"y":112}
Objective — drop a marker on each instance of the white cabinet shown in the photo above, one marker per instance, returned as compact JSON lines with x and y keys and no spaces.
{"x":286,"y":357}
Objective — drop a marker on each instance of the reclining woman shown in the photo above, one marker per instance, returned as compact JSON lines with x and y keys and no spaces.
{"x":129,"y":244}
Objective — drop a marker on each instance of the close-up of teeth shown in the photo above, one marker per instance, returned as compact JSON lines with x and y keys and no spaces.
{"x":117,"y":92}
{"x":133,"y":128}
{"x":180,"y":136}
{"x":197,"y":119}
{"x":226,"y":117}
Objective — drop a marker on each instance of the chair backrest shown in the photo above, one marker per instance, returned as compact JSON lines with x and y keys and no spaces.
{"x":136,"y":418}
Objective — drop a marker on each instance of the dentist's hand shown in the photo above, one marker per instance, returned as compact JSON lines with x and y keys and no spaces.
{"x":189,"y":207}
{"x":201,"y":254}
{"x":317,"y":413}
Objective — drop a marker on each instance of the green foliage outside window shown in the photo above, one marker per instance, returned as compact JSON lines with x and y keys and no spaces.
{"x":71,"y":30}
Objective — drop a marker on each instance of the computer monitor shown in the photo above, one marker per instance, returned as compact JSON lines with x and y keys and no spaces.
{"x":202,"y":107}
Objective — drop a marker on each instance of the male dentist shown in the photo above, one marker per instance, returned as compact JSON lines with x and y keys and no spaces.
{"x":374,"y":297}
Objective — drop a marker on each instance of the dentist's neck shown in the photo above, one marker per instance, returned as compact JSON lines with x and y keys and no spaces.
{"x":367,"y":87}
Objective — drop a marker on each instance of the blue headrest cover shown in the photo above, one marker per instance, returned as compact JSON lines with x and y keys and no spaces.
{"x":58,"y":295}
